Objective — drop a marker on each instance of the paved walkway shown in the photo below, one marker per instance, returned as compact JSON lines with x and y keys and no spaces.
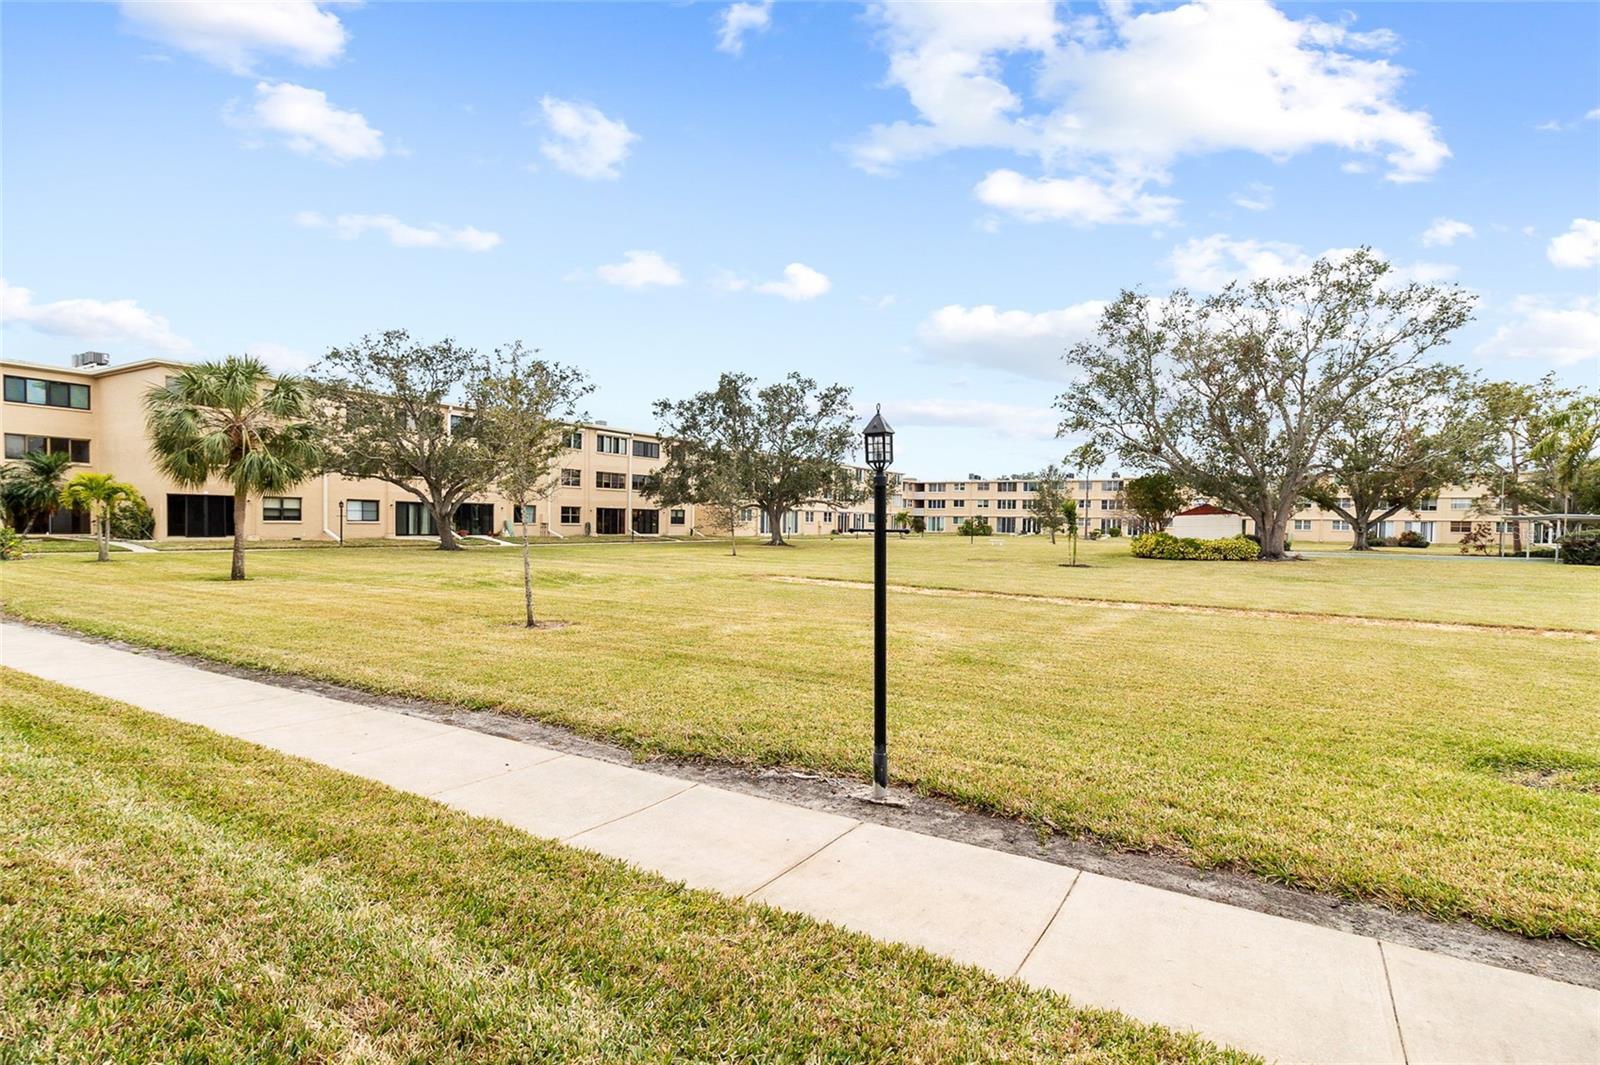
{"x":1284,"y":989}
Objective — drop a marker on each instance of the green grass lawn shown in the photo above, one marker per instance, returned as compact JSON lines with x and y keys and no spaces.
{"x":169,"y":894}
{"x":39,"y":545}
{"x":1445,"y":771}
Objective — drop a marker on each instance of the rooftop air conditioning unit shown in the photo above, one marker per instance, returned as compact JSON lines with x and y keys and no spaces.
{"x":91,"y":358}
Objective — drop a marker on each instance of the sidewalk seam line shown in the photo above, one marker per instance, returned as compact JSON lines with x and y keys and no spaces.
{"x":439,"y":795}
{"x":791,"y":868}
{"x":620,"y":817}
{"x":1394,"y":1008}
{"x":1077,"y":874}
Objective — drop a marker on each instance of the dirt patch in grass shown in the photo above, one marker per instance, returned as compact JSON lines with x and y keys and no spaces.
{"x":1187,"y":608}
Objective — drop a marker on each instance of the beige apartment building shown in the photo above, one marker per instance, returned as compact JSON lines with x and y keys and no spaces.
{"x":1004,"y":503}
{"x":95,"y":412}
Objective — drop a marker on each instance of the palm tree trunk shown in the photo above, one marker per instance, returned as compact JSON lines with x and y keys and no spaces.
{"x":237,"y":572}
{"x":104,"y":539}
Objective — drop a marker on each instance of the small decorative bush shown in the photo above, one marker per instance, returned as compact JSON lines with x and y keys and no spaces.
{"x":1114,"y":532}
{"x":1411,"y":538}
{"x":10,"y":544}
{"x":1581,"y":548}
{"x":132,"y":520}
{"x":1095,"y":534}
{"x":1189,"y":549}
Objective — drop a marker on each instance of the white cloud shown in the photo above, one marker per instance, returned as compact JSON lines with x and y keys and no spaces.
{"x":1579,"y":247}
{"x":401,"y":234}
{"x":1024,"y":342}
{"x":584,"y":141}
{"x":1207,"y":264}
{"x":96,"y":321}
{"x":1122,"y":97}
{"x":309,"y":124}
{"x":1255,"y":197}
{"x":736,"y":20}
{"x":235,"y":35}
{"x":800,"y":282}
{"x":1547,"y":330}
{"x":1001,"y":419}
{"x":1445,"y":232}
{"x":1079,"y":200}
{"x":639,"y":269}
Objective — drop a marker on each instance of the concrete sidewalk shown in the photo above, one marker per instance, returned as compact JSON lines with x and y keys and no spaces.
{"x":1287,"y":990}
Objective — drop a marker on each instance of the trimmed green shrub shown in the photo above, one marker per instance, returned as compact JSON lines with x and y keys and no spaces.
{"x":10,"y":544}
{"x":1114,"y":532}
{"x":132,"y":520}
{"x":1581,"y":548}
{"x":1411,"y":538}
{"x":1189,"y":549}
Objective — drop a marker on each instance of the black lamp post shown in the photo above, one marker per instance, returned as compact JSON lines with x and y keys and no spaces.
{"x":880,"y":452}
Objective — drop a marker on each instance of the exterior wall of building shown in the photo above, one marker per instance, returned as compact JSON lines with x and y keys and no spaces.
{"x":113,"y":426}
{"x":1210,"y":526}
{"x":1004,"y":503}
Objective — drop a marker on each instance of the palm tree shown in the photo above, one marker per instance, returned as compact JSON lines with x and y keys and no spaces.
{"x":1568,"y":445}
{"x":99,"y":494}
{"x":30,"y":488}
{"x":231,"y":419}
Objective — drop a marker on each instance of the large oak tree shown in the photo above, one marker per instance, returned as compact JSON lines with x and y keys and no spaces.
{"x":1235,"y":394}
{"x":774,"y":449}
{"x":387,"y":400}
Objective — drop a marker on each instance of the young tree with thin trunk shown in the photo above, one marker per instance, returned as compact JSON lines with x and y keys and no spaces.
{"x":1235,"y":394}
{"x":1397,"y":445}
{"x":784,"y":445}
{"x":1069,"y":515}
{"x":99,"y":494}
{"x":1050,"y":493}
{"x":388,"y":405}
{"x":525,"y":408}
{"x":232,"y":420}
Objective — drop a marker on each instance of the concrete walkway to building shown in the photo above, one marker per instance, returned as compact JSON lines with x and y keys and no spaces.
{"x":1286,"y":990}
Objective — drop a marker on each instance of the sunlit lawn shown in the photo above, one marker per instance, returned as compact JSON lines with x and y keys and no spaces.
{"x":1452,"y":772}
{"x":173,"y":895}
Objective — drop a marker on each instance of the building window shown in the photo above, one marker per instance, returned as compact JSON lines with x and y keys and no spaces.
{"x":1461,"y":526}
{"x":575,"y":440}
{"x":524,"y":515}
{"x":646,"y":449}
{"x":361,"y":510}
{"x":677,"y":517}
{"x":571,"y":515}
{"x":934,"y":524}
{"x":18,"y":445}
{"x":413,"y":519}
{"x":280,"y":508}
{"x":640,"y":481}
{"x":1111,"y":486}
{"x":1005,"y":525}
{"x":1341,"y":526}
{"x":43,"y":393}
{"x":935,"y":504}
{"x":1302,"y":524}
{"x":1108,"y":504}
{"x":609,"y":445}
{"x":1426,"y":504}
{"x":982,"y":504}
{"x":1005,"y":504}
{"x":1030,"y":486}
{"x":1461,"y":504}
{"x":571,"y":478}
{"x":608,"y":479}
{"x":1005,"y":486}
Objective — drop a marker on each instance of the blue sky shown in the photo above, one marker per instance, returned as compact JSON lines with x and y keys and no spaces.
{"x":924,"y":202}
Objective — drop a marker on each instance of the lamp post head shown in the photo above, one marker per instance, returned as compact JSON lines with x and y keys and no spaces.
{"x":880,"y":442}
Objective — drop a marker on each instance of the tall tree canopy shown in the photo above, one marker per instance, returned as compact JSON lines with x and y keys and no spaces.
{"x":232,"y":420}
{"x":1397,"y":444}
{"x":387,"y":403}
{"x":525,"y":408}
{"x":775,"y":448}
{"x":1514,"y":417}
{"x":1235,"y":394}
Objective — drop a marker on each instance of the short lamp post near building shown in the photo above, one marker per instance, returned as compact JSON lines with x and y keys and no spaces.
{"x":879,"y":440}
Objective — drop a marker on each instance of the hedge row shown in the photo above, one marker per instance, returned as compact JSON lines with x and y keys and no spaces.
{"x":1581,"y":548}
{"x":1187,"y":548}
